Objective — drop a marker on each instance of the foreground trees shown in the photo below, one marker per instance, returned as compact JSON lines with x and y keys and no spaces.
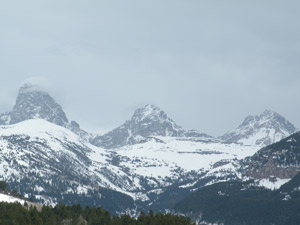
{"x":14,"y":213}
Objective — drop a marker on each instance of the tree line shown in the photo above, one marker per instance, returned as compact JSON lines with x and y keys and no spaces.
{"x":61,"y":214}
{"x":16,"y":214}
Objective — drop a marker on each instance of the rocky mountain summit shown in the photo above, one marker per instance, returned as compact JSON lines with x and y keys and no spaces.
{"x":145,"y":124}
{"x":265,"y":129}
{"x":34,"y":103}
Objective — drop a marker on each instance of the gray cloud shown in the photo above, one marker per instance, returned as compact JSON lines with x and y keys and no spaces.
{"x":208,"y":64}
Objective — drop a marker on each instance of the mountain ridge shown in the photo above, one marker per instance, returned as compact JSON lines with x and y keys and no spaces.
{"x":146,"y":122}
{"x":143,"y":163}
{"x":264,"y":129}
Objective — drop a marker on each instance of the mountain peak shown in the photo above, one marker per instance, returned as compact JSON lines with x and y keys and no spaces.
{"x":35,"y":103}
{"x":29,"y":87}
{"x":147,"y":122}
{"x":32,"y":102}
{"x":269,"y":112}
{"x":148,"y":109}
{"x":152,"y":121}
{"x":264,"y":129}
{"x":148,"y":112}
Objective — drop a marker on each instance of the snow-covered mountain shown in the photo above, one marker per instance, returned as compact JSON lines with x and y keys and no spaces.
{"x":148,"y":162}
{"x":32,"y":103}
{"x":146,"y":123}
{"x":265,"y":129}
{"x":50,"y":163}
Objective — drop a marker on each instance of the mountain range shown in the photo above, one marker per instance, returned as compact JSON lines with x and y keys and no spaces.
{"x":149,"y":162}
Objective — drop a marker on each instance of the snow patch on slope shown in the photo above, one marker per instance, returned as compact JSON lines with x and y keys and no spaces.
{"x":164,"y":159}
{"x":10,"y":199}
{"x":272,"y":185}
{"x":41,"y":129}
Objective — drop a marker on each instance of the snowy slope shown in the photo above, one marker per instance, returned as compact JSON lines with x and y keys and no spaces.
{"x":163,"y":159}
{"x":181,"y":162}
{"x":10,"y":199}
{"x":48,"y":158}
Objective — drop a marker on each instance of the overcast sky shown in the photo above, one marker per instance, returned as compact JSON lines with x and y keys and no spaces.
{"x":207,"y":64}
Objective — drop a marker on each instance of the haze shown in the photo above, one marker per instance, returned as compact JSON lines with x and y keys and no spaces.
{"x":207,"y":64}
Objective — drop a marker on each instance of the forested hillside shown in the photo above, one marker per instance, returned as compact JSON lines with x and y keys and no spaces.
{"x":236,"y":203}
{"x":14,"y":213}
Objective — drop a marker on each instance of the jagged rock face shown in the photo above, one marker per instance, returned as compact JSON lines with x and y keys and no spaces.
{"x":265,"y":129}
{"x":146,"y":122}
{"x":32,"y":103}
{"x":5,"y":118}
{"x":150,"y":120}
{"x":280,"y":160}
